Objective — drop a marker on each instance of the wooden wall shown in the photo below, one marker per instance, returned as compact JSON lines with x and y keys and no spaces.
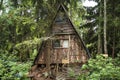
{"x":74,"y":53}
{"x":64,"y":28}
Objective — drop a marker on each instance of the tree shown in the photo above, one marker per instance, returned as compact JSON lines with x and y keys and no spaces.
{"x":99,"y":28}
{"x":105,"y":28}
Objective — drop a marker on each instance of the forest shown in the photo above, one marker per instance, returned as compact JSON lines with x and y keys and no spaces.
{"x":24,"y":24}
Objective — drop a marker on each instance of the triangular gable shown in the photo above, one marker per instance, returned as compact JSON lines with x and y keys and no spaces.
{"x":43,"y":42}
{"x":61,"y":6}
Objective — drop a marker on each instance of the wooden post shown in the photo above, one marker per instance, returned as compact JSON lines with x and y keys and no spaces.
{"x":57,"y":67}
{"x":69,"y":50}
{"x":48,"y":52}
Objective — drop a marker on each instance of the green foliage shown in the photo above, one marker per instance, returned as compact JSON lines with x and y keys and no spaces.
{"x":29,"y":43}
{"x":11,"y":69}
{"x":71,"y":73}
{"x":28,"y":49}
{"x":100,"y":68}
{"x":117,"y":60}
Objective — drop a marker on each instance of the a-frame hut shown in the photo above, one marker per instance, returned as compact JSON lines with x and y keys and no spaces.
{"x":64,"y":46}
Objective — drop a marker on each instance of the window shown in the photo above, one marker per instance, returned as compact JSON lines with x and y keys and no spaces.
{"x":57,"y":43}
{"x":61,"y":43}
{"x":65,"y":44}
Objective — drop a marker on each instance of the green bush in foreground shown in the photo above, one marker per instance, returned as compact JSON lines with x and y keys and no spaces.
{"x":100,"y":68}
{"x":11,"y":69}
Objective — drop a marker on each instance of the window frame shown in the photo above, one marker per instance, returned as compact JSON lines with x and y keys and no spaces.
{"x":61,"y":44}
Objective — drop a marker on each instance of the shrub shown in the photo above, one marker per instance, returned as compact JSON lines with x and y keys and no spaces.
{"x":100,"y":68}
{"x":11,"y":69}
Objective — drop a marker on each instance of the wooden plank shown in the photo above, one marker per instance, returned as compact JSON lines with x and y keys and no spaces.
{"x":65,"y":28}
{"x":65,"y":61}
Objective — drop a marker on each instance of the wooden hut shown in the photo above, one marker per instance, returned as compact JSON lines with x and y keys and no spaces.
{"x":64,"y":46}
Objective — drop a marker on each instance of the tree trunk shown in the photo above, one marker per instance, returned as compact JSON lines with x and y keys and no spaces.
{"x":99,"y":44}
{"x":1,"y":4}
{"x":114,"y":31}
{"x":105,"y":27}
{"x":99,"y":31}
{"x":113,"y":48}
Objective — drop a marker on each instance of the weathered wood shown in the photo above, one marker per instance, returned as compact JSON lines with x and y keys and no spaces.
{"x":73,"y":53}
{"x":48,"y":61}
{"x":63,"y":28}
